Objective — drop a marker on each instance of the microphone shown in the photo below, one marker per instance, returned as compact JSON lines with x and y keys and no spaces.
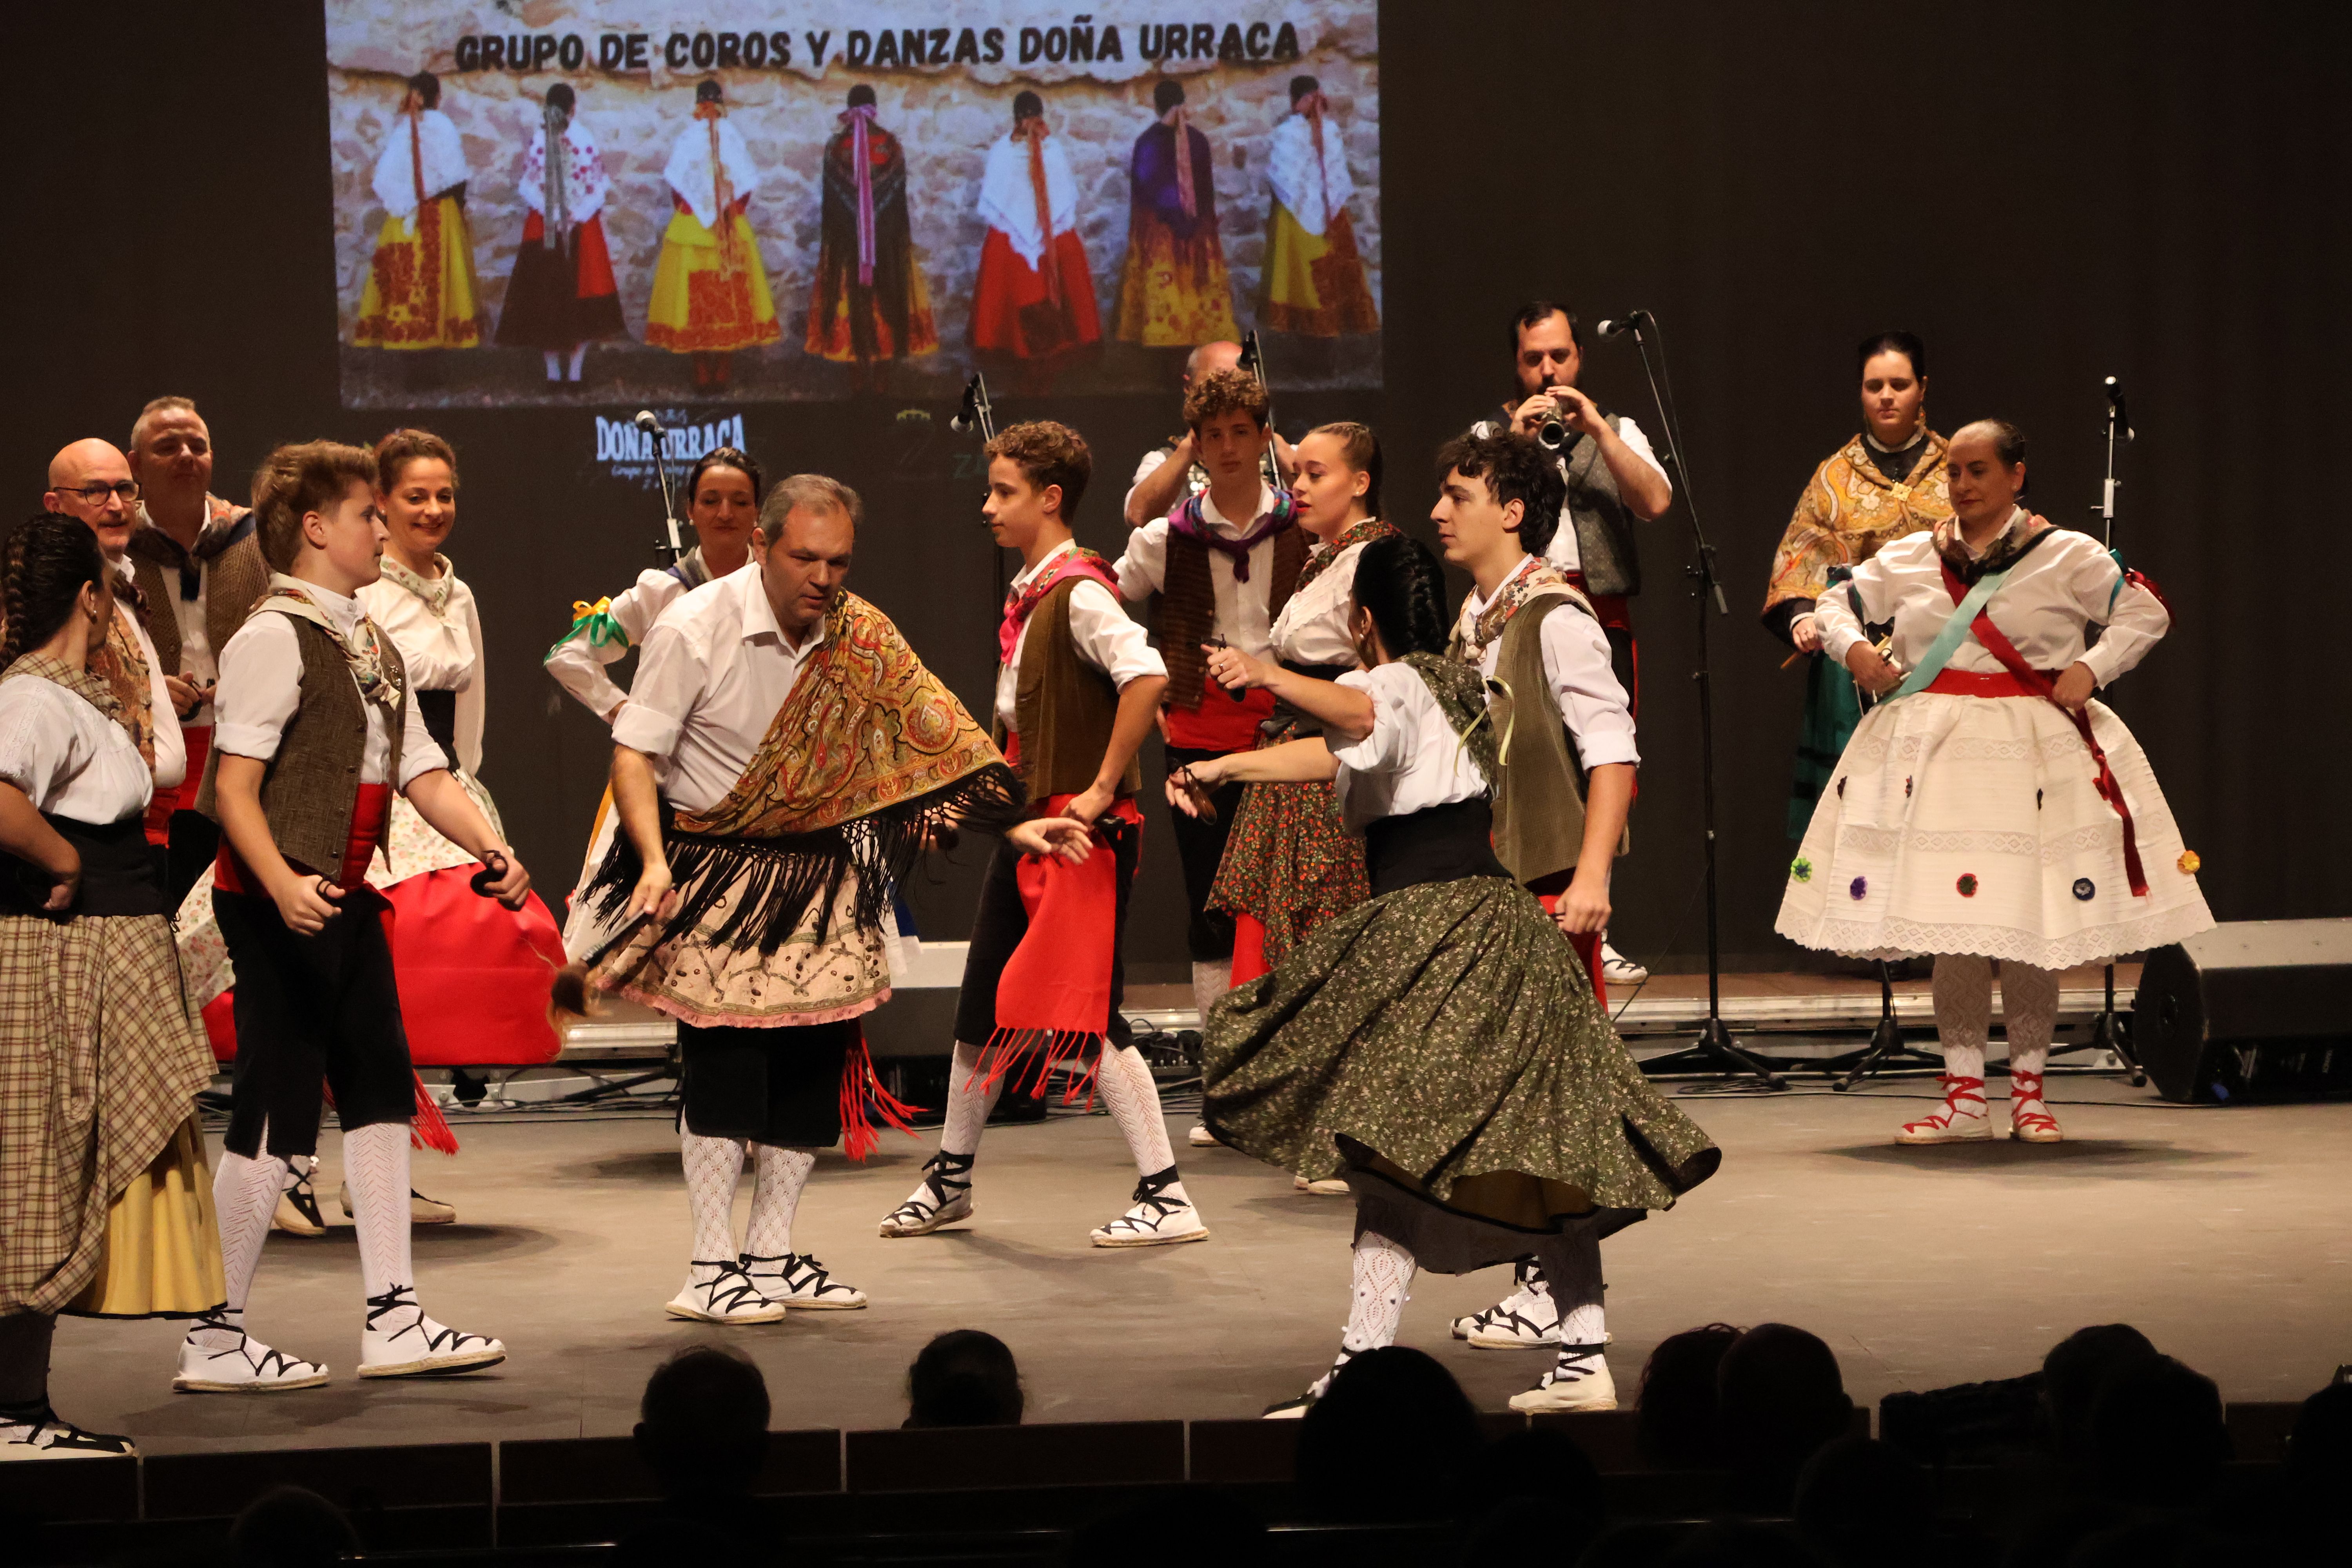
{"x":2115,"y":390}
{"x":646,"y":422}
{"x":1617,"y":326}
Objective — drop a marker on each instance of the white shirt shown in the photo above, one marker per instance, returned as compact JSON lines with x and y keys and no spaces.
{"x":171,"y":747}
{"x":1242,"y":619}
{"x":1411,"y":760}
{"x":261,"y":690}
{"x":1101,"y":631}
{"x":579,"y":666}
{"x":1008,"y":196}
{"x":2044,"y":607}
{"x":716,"y":667}
{"x":445,"y":161}
{"x":441,"y":653}
{"x":1314,"y":626}
{"x":198,"y":666}
{"x":68,"y":757}
{"x":1576,"y":666}
{"x":1562,"y":551}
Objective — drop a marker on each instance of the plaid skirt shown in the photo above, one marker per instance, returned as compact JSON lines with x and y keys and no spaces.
{"x":1289,"y":864}
{"x":100,"y":1060}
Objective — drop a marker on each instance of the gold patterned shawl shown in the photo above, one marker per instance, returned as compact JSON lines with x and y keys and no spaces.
{"x":869,"y":760}
{"x":1849,"y":511}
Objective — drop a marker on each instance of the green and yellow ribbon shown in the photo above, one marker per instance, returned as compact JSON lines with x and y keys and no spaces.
{"x":595,"y":622}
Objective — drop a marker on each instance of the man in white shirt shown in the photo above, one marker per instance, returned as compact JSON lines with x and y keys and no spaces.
{"x":1559,"y":811}
{"x":1076,"y":694}
{"x":91,"y":479}
{"x":198,"y":561}
{"x":1224,"y":562}
{"x":1613,"y":480}
{"x":784,"y":758}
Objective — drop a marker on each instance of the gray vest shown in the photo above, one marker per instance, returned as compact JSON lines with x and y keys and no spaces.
{"x":1607,"y":552}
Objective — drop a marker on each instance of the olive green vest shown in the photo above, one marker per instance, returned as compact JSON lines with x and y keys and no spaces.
{"x":310,"y":789}
{"x":1539,"y":799}
{"x":1064,"y":707}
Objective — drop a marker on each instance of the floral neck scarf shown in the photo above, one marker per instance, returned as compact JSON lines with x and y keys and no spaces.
{"x":435,"y":591}
{"x":1489,"y":627}
{"x":1355,"y":533}
{"x":362,"y":648}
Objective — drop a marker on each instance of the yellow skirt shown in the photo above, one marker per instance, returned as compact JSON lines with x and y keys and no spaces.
{"x":421,"y":292}
{"x":1174,"y":293}
{"x":1315,"y":284}
{"x":162,"y":1253}
{"x":708,"y":299}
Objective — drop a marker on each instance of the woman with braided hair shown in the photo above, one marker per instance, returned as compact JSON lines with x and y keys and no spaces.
{"x":105,"y":1189}
{"x":1440,"y":1035}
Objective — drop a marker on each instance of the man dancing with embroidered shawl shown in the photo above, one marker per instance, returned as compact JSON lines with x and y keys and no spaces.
{"x":782,"y":761}
{"x":1074,"y":696}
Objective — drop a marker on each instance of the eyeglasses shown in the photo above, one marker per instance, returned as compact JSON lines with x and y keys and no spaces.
{"x":95,"y":495}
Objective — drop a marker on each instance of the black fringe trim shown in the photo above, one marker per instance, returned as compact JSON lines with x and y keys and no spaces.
{"x":774,"y":881}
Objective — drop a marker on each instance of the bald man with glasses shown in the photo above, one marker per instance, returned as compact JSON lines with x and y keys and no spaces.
{"x":90,"y":480}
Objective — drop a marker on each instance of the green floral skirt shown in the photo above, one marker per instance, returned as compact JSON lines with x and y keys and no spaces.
{"x":1445,"y":1038}
{"x":1289,"y":863}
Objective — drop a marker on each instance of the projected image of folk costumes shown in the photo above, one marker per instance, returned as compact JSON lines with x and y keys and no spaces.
{"x":420,"y":291}
{"x":561,"y":296}
{"x":1439,"y":1044}
{"x":104,"y":1186}
{"x":711,"y":291}
{"x":1986,"y":806}
{"x":870,"y":301}
{"x":1314,"y":280}
{"x":1173,"y":290}
{"x":1035,"y":298}
{"x":1885,"y":483}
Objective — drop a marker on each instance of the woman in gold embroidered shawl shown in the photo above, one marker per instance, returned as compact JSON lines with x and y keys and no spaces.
{"x":1886,"y":482}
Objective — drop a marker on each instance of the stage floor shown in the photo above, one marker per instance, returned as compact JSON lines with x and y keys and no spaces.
{"x":2225,"y":1234}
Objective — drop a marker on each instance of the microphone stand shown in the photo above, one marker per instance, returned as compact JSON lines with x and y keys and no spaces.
{"x":1713,"y":1050}
{"x":2109,"y":1032}
{"x":669,"y":546}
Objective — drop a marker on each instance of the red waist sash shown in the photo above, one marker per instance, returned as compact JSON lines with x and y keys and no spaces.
{"x":231,"y":875}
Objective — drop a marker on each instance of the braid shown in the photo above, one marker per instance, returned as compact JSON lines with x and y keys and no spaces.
{"x":46,"y":564}
{"x":1398,"y":579}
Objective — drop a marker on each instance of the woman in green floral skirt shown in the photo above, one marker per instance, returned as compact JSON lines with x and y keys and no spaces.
{"x":1441,"y":1036}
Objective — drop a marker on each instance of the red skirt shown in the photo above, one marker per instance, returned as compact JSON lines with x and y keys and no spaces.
{"x":1013,"y":313}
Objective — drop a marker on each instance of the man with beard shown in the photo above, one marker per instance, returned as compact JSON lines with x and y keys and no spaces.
{"x":198,"y":561}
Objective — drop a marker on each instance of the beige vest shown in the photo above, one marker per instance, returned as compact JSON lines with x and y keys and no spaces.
{"x":1539,"y":798}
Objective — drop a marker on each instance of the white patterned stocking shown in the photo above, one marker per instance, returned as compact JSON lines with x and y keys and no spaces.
{"x":1124,"y":1082}
{"x":778,"y":1176}
{"x":969,"y":1103}
{"x":245,"y":1194}
{"x":712,"y":1167}
{"x":1382,"y":1272}
{"x":375,"y":1163}
{"x":1963,"y":988}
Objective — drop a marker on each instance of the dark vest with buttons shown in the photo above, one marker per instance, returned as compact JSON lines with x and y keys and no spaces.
{"x":310,"y":789}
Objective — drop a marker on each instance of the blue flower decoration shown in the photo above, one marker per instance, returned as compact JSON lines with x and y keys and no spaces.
{"x":1859,"y":888}
{"x":2085,"y":890}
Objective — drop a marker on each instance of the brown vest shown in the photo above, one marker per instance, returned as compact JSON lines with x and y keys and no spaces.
{"x":1188,"y":607}
{"x":310,"y":789}
{"x":1539,"y":798}
{"x":1064,"y":707}
{"x":236,"y":579}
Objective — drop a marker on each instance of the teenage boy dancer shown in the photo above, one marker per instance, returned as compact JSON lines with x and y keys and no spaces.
{"x":1076,"y":694}
{"x":315,"y":729}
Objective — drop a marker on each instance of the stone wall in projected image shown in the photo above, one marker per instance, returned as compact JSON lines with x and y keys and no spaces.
{"x":947,"y":116}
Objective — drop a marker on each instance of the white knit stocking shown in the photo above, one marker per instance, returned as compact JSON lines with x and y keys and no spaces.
{"x":375,"y":1163}
{"x":1963,"y":990}
{"x":712,"y":1167}
{"x":1382,"y":1272}
{"x":1126,"y":1085}
{"x":969,"y":1103}
{"x":777,"y":1179}
{"x":1571,"y":1266}
{"x":1211,"y":978}
{"x":2029,"y":1010}
{"x":245,"y":1194}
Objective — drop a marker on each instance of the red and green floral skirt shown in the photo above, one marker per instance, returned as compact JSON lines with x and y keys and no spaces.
{"x":1289,"y":864}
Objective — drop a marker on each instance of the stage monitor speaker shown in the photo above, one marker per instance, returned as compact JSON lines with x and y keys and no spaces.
{"x":2254,"y":1009}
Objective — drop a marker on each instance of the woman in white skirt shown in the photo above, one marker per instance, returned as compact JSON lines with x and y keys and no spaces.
{"x":1988,"y":807}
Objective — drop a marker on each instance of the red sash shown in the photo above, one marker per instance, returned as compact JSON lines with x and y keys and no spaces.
{"x":231,"y":875}
{"x":1224,"y":722}
{"x":2030,"y":682}
{"x":1055,"y":991}
{"x":198,"y":739}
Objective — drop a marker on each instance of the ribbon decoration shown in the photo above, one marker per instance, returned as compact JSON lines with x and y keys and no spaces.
{"x":1314,"y":105}
{"x":1182,"y":125}
{"x":595,"y":622}
{"x":2041,"y":684}
{"x":860,"y":121}
{"x":1032,"y":131}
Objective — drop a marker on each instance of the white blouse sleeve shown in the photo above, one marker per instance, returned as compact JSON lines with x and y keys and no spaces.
{"x":1389,"y":744}
{"x":2135,"y":618}
{"x":36,"y":740}
{"x":473,"y":698}
{"x":260,"y":686}
{"x":578,"y":665}
{"x":1143,"y":569}
{"x":1834,"y":611}
{"x":420,"y":753}
{"x":1584,"y":685}
{"x":1107,"y":638}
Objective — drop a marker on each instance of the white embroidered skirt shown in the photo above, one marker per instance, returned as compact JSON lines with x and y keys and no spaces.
{"x":1974,"y":824}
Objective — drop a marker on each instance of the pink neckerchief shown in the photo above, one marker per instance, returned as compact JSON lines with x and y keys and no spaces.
{"x":1194,"y":524}
{"x":1077,"y":559}
{"x":859,"y":120}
